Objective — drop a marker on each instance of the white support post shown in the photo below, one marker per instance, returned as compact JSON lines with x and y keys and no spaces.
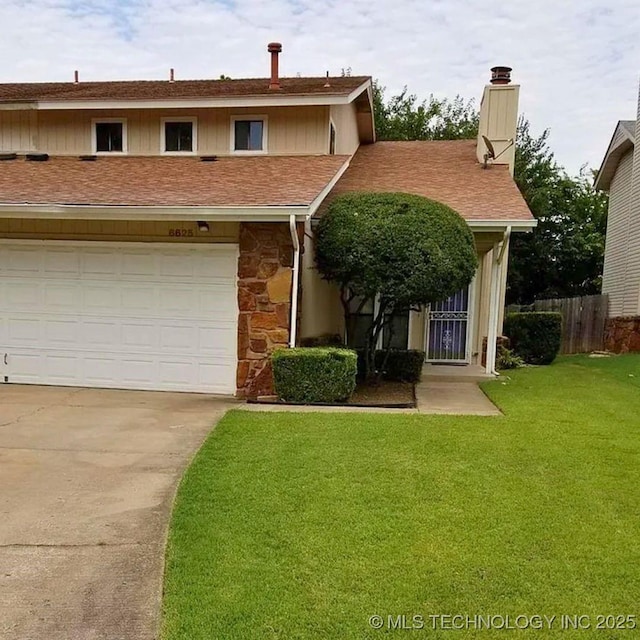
{"x":492,"y":332}
{"x":495,"y":299}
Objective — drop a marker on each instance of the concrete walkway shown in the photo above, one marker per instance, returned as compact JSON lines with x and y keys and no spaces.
{"x":87,"y":480}
{"x":432,"y":397}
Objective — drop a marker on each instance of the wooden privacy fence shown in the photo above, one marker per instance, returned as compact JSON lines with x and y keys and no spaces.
{"x":583,"y":320}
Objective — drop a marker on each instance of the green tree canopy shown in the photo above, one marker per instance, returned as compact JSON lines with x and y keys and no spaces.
{"x":403,"y":117}
{"x":564,"y":255}
{"x":406,"y":249}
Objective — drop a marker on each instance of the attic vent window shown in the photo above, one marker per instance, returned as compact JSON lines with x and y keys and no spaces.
{"x":110,"y":136}
{"x":37,"y":157}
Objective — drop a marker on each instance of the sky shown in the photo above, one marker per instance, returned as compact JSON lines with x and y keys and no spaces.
{"x":577,"y":61}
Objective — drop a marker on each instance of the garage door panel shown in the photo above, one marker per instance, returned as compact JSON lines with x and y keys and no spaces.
{"x":22,"y":295}
{"x":22,"y":261}
{"x":97,"y":334}
{"x":61,"y":332}
{"x":99,"y":298}
{"x":24,"y":331}
{"x":61,"y":296}
{"x":120,"y":316}
{"x":62,"y":261}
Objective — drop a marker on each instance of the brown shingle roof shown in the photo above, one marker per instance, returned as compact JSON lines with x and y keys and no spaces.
{"x":180,"y":89}
{"x":446,"y":171}
{"x":168,"y":181}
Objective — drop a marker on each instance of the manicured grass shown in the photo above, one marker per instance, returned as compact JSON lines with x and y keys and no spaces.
{"x":291,"y":525}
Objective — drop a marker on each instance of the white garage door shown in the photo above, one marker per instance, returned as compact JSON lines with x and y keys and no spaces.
{"x":119,"y":315}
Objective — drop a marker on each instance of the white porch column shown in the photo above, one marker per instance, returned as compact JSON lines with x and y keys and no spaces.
{"x":492,"y":328}
{"x":495,"y":299}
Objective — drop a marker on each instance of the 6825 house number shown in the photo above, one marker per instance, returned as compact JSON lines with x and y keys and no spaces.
{"x":181,"y":233}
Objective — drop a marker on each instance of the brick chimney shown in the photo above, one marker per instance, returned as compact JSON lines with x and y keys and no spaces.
{"x":274,"y":48}
{"x":499,"y":117}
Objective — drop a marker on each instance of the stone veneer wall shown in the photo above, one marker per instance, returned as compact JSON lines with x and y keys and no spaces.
{"x":622,"y":334}
{"x":264,"y":292}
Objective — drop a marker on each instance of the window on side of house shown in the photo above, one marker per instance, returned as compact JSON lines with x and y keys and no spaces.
{"x":249,"y":135}
{"x":178,"y":135}
{"x":332,"y":139}
{"x":395,"y":332}
{"x":109,"y":136}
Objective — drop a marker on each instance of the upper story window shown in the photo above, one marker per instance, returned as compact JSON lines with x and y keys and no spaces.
{"x":332,"y":139}
{"x":249,"y":134}
{"x":178,"y":135}
{"x":109,"y":135}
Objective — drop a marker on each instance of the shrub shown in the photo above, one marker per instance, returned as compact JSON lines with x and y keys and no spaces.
{"x":507,"y":359}
{"x":403,"y":365}
{"x":323,"y":340}
{"x":402,"y":248}
{"x":314,"y":374}
{"x":534,"y":336}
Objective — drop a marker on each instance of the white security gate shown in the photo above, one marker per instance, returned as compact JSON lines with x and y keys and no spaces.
{"x":119,"y":315}
{"x":448,"y":329}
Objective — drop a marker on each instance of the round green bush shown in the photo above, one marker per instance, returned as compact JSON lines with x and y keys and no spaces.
{"x":535,"y":336}
{"x":408,"y":249}
{"x":314,"y":374}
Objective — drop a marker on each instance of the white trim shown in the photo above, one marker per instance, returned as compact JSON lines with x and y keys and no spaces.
{"x":258,"y":101}
{"x":194,"y":135}
{"x":293,"y":324}
{"x":471,"y":317}
{"x":502,"y":225}
{"x":335,"y":137}
{"x":499,"y":251}
{"x":265,"y":135}
{"x":318,"y":200}
{"x":94,"y":141}
{"x":97,"y":212}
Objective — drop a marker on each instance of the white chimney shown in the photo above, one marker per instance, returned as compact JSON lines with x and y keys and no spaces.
{"x":499,"y":118}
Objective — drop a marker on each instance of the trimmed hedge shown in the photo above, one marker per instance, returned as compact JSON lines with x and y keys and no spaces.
{"x":535,"y":336}
{"x":314,"y":374}
{"x":403,"y":365}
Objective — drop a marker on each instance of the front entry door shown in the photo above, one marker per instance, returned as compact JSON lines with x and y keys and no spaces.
{"x":447,"y":329}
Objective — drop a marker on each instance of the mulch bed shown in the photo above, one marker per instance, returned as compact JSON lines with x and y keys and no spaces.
{"x":398,"y":395}
{"x":384,"y":394}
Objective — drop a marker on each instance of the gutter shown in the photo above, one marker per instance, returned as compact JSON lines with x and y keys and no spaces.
{"x":293,"y":324}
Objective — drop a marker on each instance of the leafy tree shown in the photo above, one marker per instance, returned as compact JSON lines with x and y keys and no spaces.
{"x":402,"y":117}
{"x":406,"y":249}
{"x":563,"y":256}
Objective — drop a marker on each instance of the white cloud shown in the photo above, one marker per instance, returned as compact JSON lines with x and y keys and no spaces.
{"x":577,"y":62}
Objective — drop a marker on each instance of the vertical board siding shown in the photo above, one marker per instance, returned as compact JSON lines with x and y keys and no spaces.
{"x":17,"y":130}
{"x":111,"y":230}
{"x":291,"y":130}
{"x":632,"y":284}
{"x":617,"y":243}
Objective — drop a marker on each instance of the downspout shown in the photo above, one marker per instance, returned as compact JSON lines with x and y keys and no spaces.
{"x":293,"y":324}
{"x":494,"y":294}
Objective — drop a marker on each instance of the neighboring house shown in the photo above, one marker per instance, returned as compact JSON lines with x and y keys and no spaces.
{"x":619,"y":174}
{"x":159,"y":234}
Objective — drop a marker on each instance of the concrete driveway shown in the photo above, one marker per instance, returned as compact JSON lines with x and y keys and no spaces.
{"x":87,"y":480}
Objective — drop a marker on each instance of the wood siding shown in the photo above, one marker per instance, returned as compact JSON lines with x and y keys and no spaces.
{"x":116,"y":230}
{"x":291,"y":130}
{"x":345,"y":119}
{"x":632,"y":294}
{"x":614,"y":280}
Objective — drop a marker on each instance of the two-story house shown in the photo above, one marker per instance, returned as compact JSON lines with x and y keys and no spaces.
{"x":619,"y":174}
{"x":159,"y":234}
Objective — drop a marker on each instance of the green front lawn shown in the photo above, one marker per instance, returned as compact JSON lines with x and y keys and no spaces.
{"x":291,"y":525}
